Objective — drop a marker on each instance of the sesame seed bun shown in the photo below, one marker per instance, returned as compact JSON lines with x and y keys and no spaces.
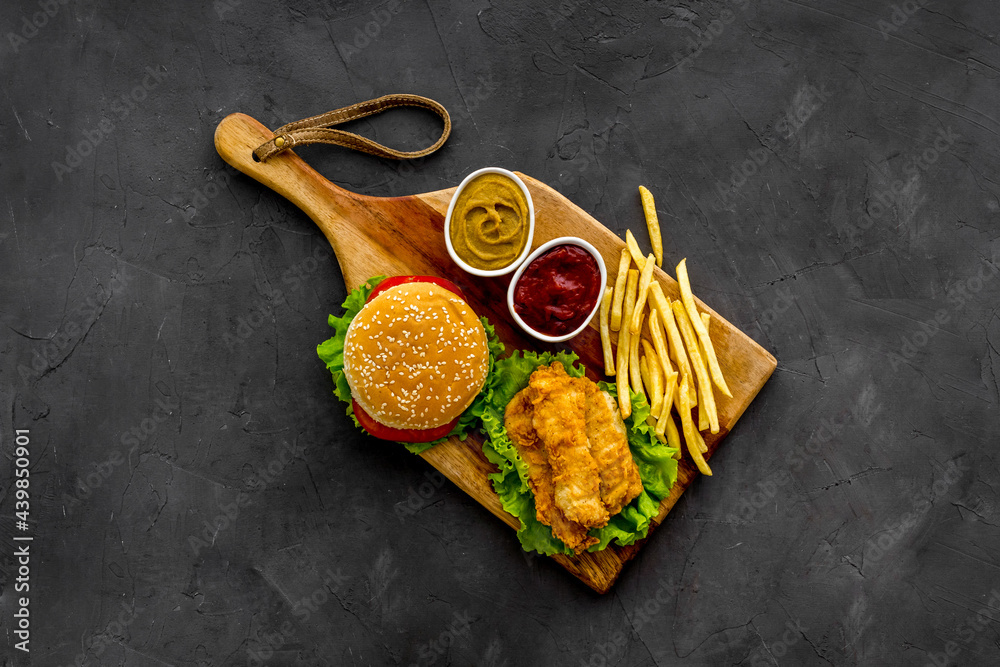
{"x":415,"y":356}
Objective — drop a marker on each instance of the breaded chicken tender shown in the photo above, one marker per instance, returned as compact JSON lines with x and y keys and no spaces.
{"x":573,"y":440}
{"x":620,"y":481}
{"x":560,"y":419}
{"x":518,"y":420}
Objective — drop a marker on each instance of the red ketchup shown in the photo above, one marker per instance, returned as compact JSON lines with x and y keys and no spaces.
{"x":557,"y":291}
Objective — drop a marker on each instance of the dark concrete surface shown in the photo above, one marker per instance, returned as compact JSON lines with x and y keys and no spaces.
{"x":198,"y":498}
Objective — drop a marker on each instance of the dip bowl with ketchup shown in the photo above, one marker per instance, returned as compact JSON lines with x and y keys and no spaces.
{"x":558,"y":289}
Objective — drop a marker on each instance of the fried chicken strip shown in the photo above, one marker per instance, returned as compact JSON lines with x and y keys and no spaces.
{"x":620,"y":481}
{"x":518,"y":422}
{"x":559,"y":418}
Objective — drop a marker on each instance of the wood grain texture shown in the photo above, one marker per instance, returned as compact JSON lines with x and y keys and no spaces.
{"x":405,"y":235}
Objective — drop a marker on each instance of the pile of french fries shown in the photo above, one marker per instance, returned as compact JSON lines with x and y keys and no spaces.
{"x":663,"y":349}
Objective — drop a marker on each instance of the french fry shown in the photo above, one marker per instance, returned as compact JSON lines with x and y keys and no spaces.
{"x":666,"y":427}
{"x":659,"y":341}
{"x":701,"y":443}
{"x":647,"y":381}
{"x":609,"y":357}
{"x":676,"y":344}
{"x":652,"y":223}
{"x":634,"y":372}
{"x":624,"y":400}
{"x":654,"y":361}
{"x":690,"y":433}
{"x":702,"y":417}
{"x":673,"y":437}
{"x":633,"y":248}
{"x":699,"y":326}
{"x":659,"y":426}
{"x":671,"y":399}
{"x":616,"y":305}
{"x":632,"y":280}
{"x":703,"y":422}
{"x":682,"y":388}
{"x":669,"y":388}
{"x":706,"y":397}
{"x":640,"y":299}
{"x":655,"y":382}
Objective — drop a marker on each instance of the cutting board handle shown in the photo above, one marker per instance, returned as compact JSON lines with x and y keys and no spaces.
{"x":286,"y":173}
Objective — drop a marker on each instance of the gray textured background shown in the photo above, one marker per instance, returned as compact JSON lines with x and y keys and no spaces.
{"x":852,"y":519}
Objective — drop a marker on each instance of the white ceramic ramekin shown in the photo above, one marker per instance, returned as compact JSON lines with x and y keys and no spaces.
{"x":542,"y":249}
{"x":531,"y":224}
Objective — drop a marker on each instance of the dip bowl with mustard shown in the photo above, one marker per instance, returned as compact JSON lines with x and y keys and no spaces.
{"x":557,"y":291}
{"x":490,"y":223}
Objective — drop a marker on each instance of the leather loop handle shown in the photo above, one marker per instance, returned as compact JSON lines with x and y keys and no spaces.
{"x":317,"y":130}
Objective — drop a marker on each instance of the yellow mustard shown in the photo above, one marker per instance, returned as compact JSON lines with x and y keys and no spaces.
{"x":489,"y":224}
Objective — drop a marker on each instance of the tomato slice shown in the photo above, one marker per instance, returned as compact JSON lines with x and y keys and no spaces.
{"x":401,"y":280}
{"x":383,"y":432}
{"x":368,"y":423}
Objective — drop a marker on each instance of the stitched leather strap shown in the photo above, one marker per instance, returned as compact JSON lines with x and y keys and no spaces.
{"x":317,"y":130}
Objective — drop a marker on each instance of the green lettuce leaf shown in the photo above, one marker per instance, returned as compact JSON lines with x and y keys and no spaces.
{"x":655,"y":461}
{"x":331,"y":351}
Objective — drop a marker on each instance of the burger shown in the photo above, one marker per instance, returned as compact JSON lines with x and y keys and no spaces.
{"x":415,"y":357}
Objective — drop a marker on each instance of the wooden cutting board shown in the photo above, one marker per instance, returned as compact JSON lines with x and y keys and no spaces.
{"x":405,"y":236}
